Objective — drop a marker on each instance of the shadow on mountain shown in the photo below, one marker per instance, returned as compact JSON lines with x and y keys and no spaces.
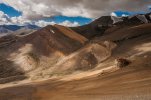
{"x":9,"y":71}
{"x":45,"y":41}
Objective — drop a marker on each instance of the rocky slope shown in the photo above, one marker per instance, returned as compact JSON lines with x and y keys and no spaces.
{"x":77,"y":64}
{"x":39,"y":50}
{"x":98,"y":26}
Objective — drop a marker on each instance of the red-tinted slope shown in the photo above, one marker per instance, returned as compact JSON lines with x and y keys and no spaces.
{"x":40,"y":49}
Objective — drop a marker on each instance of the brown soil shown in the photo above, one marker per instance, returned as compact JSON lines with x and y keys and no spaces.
{"x":90,"y":71}
{"x":38,"y":50}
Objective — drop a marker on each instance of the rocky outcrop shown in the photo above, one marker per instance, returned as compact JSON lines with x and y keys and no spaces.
{"x":121,"y":62}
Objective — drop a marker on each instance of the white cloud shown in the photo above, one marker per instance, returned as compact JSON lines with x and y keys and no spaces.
{"x":43,"y":23}
{"x":75,"y":12}
{"x":70,"y":24}
{"x":33,"y":9}
{"x":113,"y":14}
{"x":38,"y":9}
{"x":4,"y":18}
{"x":20,"y":20}
{"x":125,"y":15}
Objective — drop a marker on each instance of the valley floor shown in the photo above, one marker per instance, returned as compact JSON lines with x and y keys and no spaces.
{"x":132,"y":82}
{"x":124,"y":84}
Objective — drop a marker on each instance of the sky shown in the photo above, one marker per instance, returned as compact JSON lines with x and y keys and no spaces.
{"x":66,"y":12}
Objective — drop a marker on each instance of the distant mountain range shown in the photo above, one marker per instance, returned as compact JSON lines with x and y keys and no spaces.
{"x":95,"y":28}
{"x":9,"y":29}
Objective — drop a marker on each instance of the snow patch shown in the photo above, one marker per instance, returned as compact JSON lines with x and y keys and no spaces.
{"x":52,"y":31}
{"x":116,"y":19}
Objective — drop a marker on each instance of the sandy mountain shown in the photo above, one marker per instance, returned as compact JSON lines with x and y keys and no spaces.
{"x":40,"y":49}
{"x":75,"y":68}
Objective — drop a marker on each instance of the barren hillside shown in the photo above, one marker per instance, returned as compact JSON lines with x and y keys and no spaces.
{"x":38,"y":50}
{"x":60,"y":63}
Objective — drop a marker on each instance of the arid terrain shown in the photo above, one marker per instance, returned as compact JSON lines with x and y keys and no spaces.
{"x":78,"y":63}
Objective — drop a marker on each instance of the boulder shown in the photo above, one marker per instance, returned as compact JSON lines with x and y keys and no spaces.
{"x":122,"y":62}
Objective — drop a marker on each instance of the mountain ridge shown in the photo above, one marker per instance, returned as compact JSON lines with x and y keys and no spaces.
{"x":79,"y":63}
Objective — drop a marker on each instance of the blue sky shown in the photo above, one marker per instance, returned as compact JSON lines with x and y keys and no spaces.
{"x":59,"y":19}
{"x":64,"y":15}
{"x":11,"y":12}
{"x":120,"y":13}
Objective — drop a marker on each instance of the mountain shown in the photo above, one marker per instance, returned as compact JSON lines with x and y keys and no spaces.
{"x":29,"y":26}
{"x":4,"y":31}
{"x":148,"y":16}
{"x":27,"y":29}
{"x":24,"y":31}
{"x":98,"y":26}
{"x":38,"y":50}
{"x":10,"y":29}
{"x":108,"y":59}
{"x":95,"y":28}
